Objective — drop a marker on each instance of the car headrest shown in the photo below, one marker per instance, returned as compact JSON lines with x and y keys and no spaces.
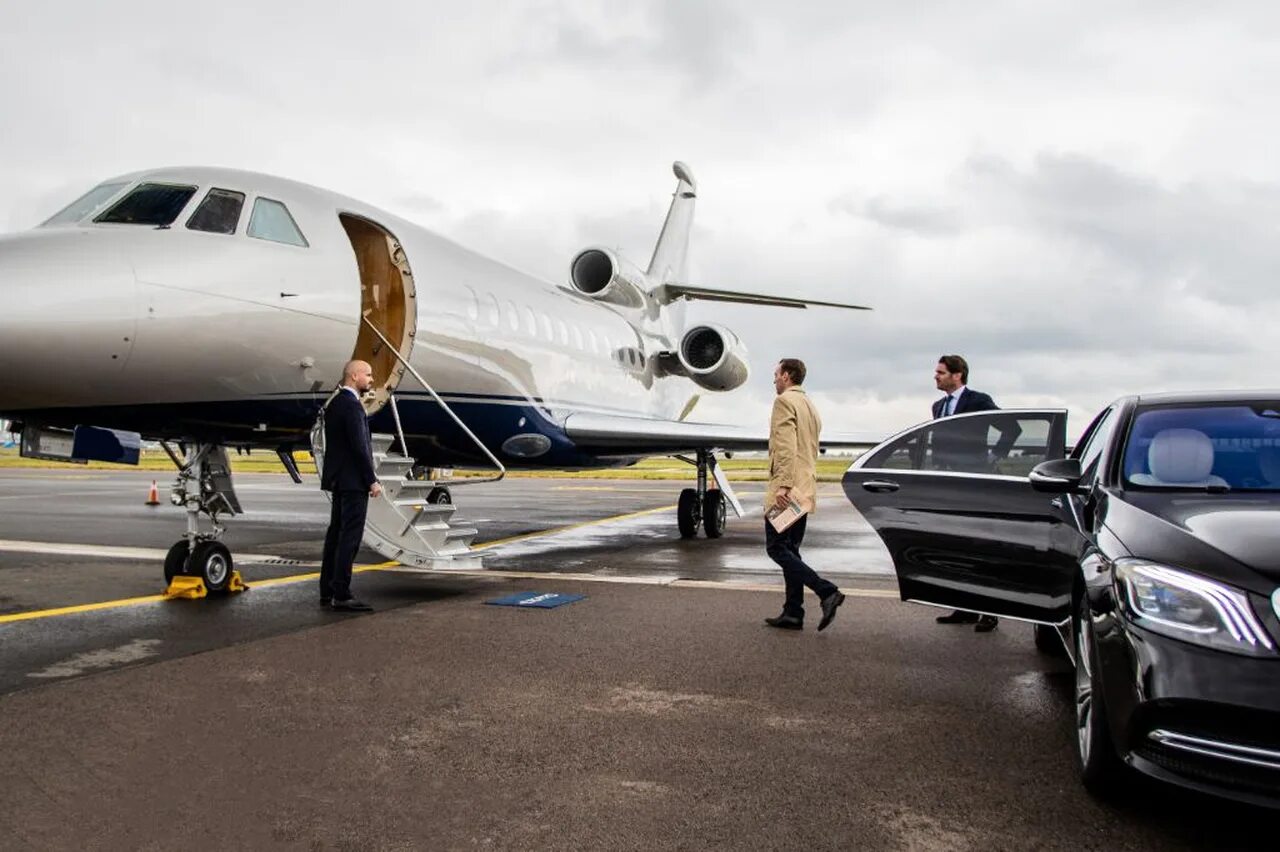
{"x":1180,"y":455}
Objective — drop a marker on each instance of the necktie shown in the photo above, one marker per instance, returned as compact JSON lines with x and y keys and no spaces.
{"x":950,"y":407}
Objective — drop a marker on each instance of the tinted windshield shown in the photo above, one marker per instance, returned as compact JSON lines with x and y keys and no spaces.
{"x":1207,"y":447}
{"x":149,"y":204}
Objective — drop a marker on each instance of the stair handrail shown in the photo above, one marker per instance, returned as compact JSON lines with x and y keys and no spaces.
{"x":502,"y":471}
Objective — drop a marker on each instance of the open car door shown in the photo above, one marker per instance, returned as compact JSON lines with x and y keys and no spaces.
{"x":951,"y":500}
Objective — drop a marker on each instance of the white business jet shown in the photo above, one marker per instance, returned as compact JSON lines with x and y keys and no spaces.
{"x":210,"y":309}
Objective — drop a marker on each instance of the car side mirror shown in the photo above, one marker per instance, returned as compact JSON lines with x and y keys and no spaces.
{"x":1058,"y":476}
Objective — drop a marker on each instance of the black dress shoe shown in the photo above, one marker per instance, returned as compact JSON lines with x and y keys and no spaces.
{"x":326,"y":602}
{"x":351,"y":605}
{"x":785,"y":622}
{"x":986,"y":624}
{"x":958,"y":617}
{"x":829,"y":605}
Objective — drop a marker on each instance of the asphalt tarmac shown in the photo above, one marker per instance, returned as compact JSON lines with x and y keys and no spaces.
{"x":656,"y":713}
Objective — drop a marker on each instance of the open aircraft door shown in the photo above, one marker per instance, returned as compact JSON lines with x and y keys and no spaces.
{"x":388,"y":300}
{"x":952,"y":502}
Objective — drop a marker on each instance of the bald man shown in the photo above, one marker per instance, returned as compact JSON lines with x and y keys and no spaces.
{"x":349,"y":478}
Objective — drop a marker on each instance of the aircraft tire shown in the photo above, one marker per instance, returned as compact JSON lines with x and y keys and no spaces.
{"x":688,"y":513}
{"x":713,"y":514}
{"x":175,"y":561}
{"x":440,"y":496}
{"x":211,"y":562}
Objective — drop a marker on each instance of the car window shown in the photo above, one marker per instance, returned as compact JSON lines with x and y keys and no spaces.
{"x":1232,"y":446}
{"x":219,"y":213}
{"x":85,"y":205}
{"x":271,"y":221}
{"x":1004,"y":443}
{"x":1089,"y":451}
{"x":155,"y":204}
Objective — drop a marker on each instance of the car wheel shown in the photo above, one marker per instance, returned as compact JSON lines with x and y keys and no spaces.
{"x":1100,"y":768}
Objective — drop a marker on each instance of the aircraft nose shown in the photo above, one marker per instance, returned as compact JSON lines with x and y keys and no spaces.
{"x":68,"y":319}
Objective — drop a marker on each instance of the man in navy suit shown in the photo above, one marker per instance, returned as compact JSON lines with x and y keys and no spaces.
{"x":952,"y":378}
{"x":349,"y":478}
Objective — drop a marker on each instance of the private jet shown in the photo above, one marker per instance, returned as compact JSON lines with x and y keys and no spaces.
{"x":210,"y":309}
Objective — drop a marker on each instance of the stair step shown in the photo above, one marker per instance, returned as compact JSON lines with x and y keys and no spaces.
{"x":430,"y":508}
{"x":461,"y":532}
{"x":392,"y":459}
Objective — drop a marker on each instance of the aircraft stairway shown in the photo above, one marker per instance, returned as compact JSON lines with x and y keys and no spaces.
{"x":402,"y":524}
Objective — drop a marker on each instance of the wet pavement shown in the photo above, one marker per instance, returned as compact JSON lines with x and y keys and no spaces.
{"x":657,"y":713}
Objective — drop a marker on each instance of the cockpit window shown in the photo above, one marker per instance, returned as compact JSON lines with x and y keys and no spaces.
{"x":155,"y":204}
{"x":271,"y":221}
{"x":218,"y":213}
{"x":85,"y":205}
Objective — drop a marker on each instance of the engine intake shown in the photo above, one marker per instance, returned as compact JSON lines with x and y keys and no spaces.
{"x":602,"y":275}
{"x":714,"y":358}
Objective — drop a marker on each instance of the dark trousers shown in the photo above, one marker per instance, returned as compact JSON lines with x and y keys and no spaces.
{"x":341,"y":541}
{"x":784,"y":548}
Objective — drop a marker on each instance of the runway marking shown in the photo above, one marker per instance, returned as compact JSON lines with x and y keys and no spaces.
{"x":567,"y":528}
{"x":396,"y":567}
{"x":108,"y":552}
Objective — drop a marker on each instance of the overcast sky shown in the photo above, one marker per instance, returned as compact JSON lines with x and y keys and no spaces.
{"x":1081,"y":197}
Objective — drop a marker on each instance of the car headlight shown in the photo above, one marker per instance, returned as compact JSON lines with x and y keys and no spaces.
{"x":1191,"y":608}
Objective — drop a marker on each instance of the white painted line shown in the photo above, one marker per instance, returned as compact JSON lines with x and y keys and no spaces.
{"x":103,"y":551}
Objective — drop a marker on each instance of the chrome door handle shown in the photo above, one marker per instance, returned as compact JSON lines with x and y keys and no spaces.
{"x":1056,"y":502}
{"x":880,"y":486}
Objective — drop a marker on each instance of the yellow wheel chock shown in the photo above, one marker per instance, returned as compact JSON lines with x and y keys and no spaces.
{"x":182,"y":586}
{"x":193,"y":588}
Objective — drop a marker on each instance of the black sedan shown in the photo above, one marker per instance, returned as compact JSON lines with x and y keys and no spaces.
{"x":1152,"y":553}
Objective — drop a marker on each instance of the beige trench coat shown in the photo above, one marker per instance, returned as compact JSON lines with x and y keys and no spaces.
{"x":793,"y":448}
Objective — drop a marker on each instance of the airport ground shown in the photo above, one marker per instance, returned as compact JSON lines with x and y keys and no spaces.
{"x":658,"y":712}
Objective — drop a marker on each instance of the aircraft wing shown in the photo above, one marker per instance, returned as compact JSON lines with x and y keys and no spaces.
{"x":668,"y":293}
{"x":642,"y":436}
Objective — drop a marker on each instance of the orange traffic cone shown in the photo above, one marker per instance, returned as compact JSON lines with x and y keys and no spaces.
{"x":153,"y":496}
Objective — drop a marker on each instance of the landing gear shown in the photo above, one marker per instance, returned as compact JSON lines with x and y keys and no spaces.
{"x":689,"y":513}
{"x":440,"y":495}
{"x":702,"y":506}
{"x":203,"y":487}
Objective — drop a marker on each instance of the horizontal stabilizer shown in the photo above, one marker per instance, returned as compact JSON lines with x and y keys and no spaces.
{"x":673,"y":292}
{"x":643,"y":436}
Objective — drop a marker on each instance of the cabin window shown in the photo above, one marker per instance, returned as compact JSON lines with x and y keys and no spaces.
{"x":219,"y":213}
{"x":577,"y":339}
{"x":495,"y":312}
{"x":85,"y":205}
{"x":271,"y":221}
{"x":155,"y":204}
{"x":473,"y":305}
{"x":513,"y":316}
{"x":530,"y":322}
{"x":564,"y":332}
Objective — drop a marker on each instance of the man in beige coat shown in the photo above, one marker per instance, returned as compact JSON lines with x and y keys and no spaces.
{"x":793,"y":475}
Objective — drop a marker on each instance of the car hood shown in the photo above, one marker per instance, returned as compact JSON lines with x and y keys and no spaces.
{"x":1245,"y":528}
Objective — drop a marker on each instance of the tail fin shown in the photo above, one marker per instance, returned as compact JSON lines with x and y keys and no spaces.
{"x":671,"y":251}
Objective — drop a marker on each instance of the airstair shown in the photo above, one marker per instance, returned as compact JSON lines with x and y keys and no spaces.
{"x":403,"y":524}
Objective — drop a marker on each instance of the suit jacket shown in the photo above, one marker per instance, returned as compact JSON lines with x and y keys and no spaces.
{"x":793,"y":448}
{"x":348,"y":448}
{"x":970,"y":400}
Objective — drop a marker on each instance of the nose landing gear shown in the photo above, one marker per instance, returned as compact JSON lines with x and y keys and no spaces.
{"x":199,"y":563}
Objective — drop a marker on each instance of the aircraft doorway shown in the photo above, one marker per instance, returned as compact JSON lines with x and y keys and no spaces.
{"x":388,"y":298}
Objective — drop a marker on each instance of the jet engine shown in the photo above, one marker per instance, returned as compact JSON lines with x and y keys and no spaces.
{"x":602,"y":275}
{"x":714,"y":357}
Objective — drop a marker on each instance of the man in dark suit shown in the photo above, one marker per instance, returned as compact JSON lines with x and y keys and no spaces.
{"x":349,"y":478}
{"x":952,"y":378}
